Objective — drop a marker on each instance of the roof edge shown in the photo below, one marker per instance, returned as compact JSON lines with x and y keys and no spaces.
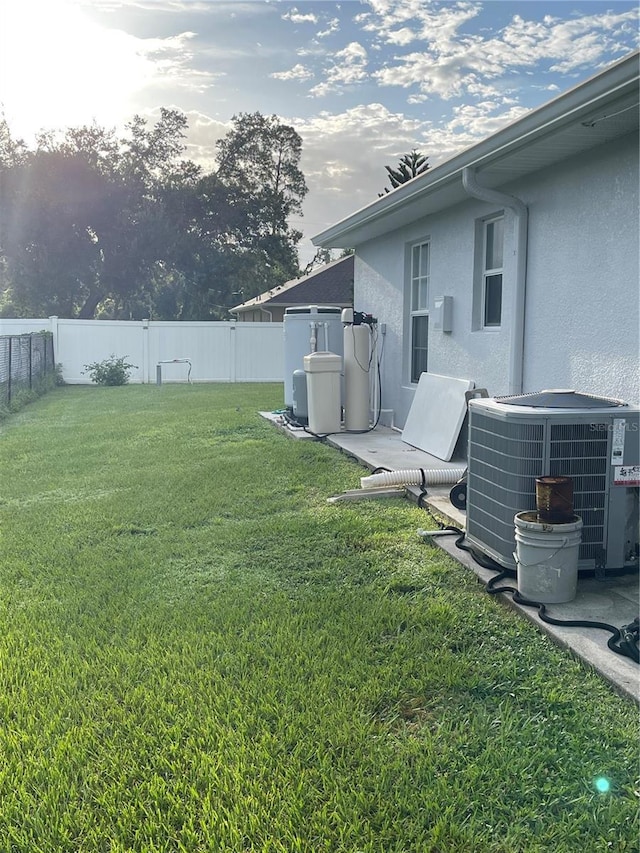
{"x":584,"y":95}
{"x":262,"y":300}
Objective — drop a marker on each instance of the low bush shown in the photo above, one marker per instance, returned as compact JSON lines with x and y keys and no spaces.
{"x":110,"y":371}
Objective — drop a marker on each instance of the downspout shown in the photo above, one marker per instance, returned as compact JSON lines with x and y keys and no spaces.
{"x":519,"y":210}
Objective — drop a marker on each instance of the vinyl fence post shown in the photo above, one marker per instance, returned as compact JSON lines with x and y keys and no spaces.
{"x":232,"y":351}
{"x":9,"y":383}
{"x":53,"y":320}
{"x":146,"y":362}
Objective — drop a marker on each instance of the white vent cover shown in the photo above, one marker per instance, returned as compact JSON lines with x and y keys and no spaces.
{"x":437,"y":414}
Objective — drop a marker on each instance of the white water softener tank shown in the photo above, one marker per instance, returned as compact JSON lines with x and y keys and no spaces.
{"x":323,"y":391}
{"x":356,"y":372}
{"x":308,"y":328}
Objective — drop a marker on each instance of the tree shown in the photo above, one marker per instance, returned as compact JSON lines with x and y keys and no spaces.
{"x":95,"y":225}
{"x":259,"y":160}
{"x":82,"y":221}
{"x":12,"y":151}
{"x":409,"y":167}
{"x":320,"y":258}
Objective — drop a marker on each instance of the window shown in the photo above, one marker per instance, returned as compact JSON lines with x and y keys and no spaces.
{"x":419,"y":309}
{"x":492,"y":272}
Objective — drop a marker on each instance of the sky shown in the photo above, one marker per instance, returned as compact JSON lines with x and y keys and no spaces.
{"x":362,"y":82}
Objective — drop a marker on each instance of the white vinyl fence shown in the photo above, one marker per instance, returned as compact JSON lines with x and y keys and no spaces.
{"x":218,"y":351}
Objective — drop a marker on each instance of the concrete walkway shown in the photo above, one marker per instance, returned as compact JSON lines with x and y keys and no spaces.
{"x":615,"y":601}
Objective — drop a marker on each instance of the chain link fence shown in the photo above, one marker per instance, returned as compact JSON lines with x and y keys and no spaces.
{"x":25,"y":360}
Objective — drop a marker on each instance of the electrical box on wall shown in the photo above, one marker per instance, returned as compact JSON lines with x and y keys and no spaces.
{"x":443,"y":313}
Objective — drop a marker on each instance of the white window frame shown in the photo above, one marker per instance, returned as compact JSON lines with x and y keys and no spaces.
{"x":491,"y":271}
{"x":419,"y":296}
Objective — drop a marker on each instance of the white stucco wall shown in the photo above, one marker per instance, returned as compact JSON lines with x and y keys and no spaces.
{"x":582,"y":285}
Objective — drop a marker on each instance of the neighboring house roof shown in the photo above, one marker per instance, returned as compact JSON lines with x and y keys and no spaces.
{"x":592,"y":113}
{"x":331,"y":284}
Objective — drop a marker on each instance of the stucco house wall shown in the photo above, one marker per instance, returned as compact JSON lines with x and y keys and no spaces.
{"x":583,"y":281}
{"x":581,"y":319}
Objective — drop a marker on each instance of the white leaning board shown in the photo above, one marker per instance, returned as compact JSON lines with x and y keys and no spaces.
{"x":436,"y":414}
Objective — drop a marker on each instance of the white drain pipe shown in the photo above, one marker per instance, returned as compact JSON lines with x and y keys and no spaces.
{"x":414,"y":477}
{"x":519,"y":209}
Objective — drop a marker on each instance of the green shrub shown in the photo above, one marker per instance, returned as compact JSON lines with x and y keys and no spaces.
{"x":110,"y":371}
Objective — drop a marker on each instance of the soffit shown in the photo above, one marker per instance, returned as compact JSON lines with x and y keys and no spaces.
{"x":584,"y":132}
{"x":539,"y":147}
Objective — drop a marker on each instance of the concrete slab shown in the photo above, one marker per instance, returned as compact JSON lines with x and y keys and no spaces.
{"x":614,"y":601}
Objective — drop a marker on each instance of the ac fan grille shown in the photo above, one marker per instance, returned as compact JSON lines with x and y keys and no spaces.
{"x":506,"y":456}
{"x":579,"y":451}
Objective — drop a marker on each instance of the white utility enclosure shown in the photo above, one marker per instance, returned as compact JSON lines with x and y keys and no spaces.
{"x":437,"y":414}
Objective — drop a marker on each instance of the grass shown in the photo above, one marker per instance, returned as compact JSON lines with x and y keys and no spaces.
{"x":22,"y":394}
{"x":199,"y":653}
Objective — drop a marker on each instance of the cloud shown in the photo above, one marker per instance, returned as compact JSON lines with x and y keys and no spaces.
{"x":202,"y":134}
{"x":171,"y":61}
{"x":60,"y":68}
{"x":226,"y":8}
{"x":298,"y":18}
{"x":332,"y":27}
{"x":349,"y":68}
{"x":474,"y":122}
{"x":343,"y":159}
{"x":298,"y":72}
{"x":403,"y":21}
{"x":454,"y":63}
{"x":402,"y":36}
{"x":344,"y":154}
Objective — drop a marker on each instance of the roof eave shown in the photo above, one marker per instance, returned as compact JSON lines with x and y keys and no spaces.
{"x":567,"y":107}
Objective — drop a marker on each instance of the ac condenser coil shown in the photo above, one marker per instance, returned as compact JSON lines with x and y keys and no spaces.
{"x":595,"y":441}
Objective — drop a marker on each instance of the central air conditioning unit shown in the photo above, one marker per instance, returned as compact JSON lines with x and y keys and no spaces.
{"x":593,"y":440}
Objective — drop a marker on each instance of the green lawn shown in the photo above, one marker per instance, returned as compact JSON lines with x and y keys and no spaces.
{"x":199,"y":653}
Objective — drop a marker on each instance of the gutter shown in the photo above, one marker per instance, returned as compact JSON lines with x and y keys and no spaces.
{"x":521,"y":214}
{"x":571,"y":106}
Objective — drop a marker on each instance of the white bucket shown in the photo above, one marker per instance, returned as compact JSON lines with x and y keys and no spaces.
{"x":547,"y":558}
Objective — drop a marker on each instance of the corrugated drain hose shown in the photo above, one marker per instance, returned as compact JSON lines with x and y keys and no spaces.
{"x":624,"y":640}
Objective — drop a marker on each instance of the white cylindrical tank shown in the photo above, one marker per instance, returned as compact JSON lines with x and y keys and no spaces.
{"x":308,"y":328}
{"x":356,"y":376}
{"x":323,"y":391}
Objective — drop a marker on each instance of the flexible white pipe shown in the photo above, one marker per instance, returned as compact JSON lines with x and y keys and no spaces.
{"x":413,"y":477}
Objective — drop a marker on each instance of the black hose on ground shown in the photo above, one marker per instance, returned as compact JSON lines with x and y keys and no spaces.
{"x":624,"y":640}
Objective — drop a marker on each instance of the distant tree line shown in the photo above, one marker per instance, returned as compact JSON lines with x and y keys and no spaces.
{"x":92,"y":225}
